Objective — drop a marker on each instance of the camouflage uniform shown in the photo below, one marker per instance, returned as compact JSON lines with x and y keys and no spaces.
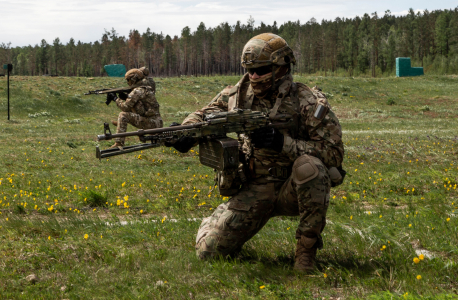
{"x":317,"y":145}
{"x":289,"y":179}
{"x":140,"y":109}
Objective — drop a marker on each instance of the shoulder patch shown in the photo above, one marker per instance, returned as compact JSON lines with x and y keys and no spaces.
{"x":320,"y":111}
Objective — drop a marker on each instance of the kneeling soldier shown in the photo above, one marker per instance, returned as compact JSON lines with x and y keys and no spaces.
{"x":140,"y":108}
{"x":286,"y":172}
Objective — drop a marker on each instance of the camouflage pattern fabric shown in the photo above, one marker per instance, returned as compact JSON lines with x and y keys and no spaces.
{"x":235,"y":222}
{"x":125,"y":118}
{"x":318,"y":136}
{"x":133,"y":76}
{"x":140,"y":109}
{"x":265,"y":49}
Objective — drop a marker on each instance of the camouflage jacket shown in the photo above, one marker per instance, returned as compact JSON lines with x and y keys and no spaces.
{"x":141,"y":100}
{"x":320,"y":137}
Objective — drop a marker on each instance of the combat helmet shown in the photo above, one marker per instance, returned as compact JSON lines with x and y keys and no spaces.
{"x":267,"y":49}
{"x":135,"y":75}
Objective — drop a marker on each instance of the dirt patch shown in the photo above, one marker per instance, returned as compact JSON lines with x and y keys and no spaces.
{"x":432,"y":114}
{"x":436,"y":101}
{"x":348,"y":114}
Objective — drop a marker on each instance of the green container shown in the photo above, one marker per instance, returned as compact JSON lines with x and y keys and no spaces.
{"x":115,"y":70}
{"x":403,"y":68}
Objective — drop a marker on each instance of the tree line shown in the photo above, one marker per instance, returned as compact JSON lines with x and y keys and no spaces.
{"x":366,"y":45}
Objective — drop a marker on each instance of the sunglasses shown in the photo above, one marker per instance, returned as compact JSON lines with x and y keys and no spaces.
{"x":260,"y":71}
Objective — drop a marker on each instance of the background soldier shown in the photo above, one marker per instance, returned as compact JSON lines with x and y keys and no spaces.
{"x":289,"y":172}
{"x":140,"y":108}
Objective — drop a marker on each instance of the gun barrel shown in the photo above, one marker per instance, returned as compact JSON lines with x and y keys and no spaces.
{"x":141,"y":132}
{"x":128,"y":149}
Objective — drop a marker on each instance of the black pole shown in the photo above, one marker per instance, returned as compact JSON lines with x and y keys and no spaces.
{"x":8,"y":80}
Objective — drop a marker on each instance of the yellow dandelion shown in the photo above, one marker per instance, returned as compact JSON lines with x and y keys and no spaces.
{"x":86,"y":236}
{"x":416,"y":260}
{"x":418,"y":277}
{"x":421,"y":257}
{"x":262,"y":286}
{"x":325,"y":275}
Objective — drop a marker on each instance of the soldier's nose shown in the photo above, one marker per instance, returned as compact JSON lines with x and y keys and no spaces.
{"x":254,"y":76}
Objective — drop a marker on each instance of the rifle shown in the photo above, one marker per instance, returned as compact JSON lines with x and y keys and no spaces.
{"x":216,"y":150}
{"x":106,"y":91}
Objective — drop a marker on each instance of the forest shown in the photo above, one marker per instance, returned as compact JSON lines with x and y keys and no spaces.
{"x":361,"y":46}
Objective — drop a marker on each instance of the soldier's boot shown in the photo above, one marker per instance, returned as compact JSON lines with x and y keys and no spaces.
{"x":115,"y":123}
{"x":305,"y":255}
{"x":118,"y":145}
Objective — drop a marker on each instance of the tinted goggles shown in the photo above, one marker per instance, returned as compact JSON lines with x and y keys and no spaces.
{"x":260,"y":71}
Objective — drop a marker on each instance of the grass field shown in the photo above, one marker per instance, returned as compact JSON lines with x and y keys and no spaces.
{"x":124,"y":228}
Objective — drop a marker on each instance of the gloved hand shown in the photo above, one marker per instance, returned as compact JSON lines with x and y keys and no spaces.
{"x":184,"y":144}
{"x":267,"y":137}
{"x":111,"y":97}
{"x":122,"y":95}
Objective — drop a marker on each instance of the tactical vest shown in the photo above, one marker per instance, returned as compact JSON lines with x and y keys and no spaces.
{"x":241,"y":96}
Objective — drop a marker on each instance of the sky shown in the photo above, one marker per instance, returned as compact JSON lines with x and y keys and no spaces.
{"x":27,"y":22}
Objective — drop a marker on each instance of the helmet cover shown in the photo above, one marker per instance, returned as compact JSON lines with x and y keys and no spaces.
{"x":266,"y":49}
{"x":135,"y":75}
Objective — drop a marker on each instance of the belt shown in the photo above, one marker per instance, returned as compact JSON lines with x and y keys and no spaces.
{"x":281,"y":172}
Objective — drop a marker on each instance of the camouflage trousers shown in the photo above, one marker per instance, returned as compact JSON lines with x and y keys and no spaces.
{"x":136,"y":120}
{"x":235,"y":222}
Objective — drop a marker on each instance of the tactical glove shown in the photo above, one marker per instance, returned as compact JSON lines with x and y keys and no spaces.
{"x":111,"y":97}
{"x":184,"y":143}
{"x":268,"y":138}
{"x":122,"y":95}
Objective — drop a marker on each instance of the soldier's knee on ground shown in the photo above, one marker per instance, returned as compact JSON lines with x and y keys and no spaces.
{"x":203,"y":251}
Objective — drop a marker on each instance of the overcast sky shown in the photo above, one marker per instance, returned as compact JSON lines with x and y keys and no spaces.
{"x":24,"y":22}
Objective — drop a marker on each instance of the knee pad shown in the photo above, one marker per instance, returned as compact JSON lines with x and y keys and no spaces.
{"x":304,"y":169}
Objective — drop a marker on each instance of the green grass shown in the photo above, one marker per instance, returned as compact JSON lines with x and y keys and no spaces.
{"x":398,"y":201}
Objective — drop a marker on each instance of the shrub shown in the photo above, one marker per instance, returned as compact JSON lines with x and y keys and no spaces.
{"x":95,"y":199}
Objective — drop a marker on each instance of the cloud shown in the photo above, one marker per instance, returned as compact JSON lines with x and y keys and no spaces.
{"x":26,"y":22}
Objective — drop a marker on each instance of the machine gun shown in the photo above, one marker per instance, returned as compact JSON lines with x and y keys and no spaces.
{"x":216,"y":150}
{"x":106,"y":91}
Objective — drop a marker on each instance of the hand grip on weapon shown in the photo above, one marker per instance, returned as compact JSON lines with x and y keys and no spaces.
{"x":122,"y":95}
{"x":183,"y":144}
{"x":111,"y":97}
{"x":268,"y":138}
